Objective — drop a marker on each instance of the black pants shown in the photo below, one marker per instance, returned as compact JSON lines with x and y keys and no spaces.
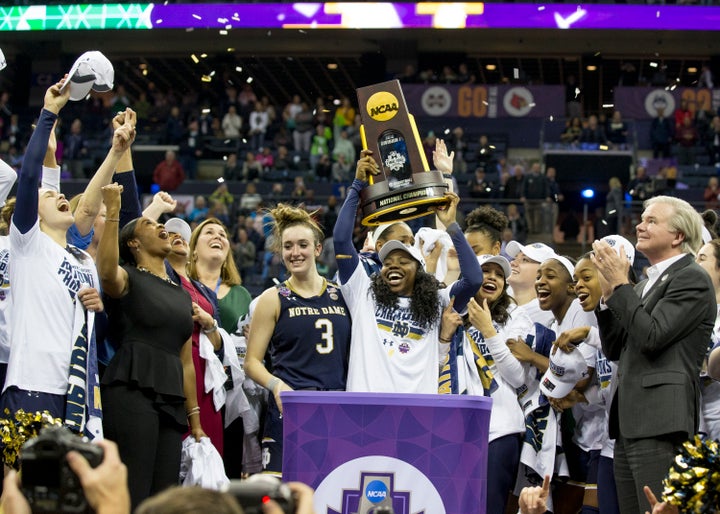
{"x":149,"y":440}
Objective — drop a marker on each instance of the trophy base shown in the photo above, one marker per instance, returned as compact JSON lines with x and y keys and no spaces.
{"x":381,"y":205}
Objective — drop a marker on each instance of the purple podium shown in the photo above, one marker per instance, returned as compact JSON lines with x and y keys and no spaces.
{"x":364,"y":451}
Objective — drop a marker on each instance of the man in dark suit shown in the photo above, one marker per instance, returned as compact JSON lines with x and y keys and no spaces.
{"x":659,"y":332}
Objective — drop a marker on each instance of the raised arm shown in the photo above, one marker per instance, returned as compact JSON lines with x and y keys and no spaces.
{"x":472,"y":275}
{"x":345,"y":253}
{"x":26,"y":210}
{"x":113,"y":278}
{"x":89,"y":205}
{"x":125,"y":176}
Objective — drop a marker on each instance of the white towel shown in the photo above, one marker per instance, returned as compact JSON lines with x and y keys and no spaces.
{"x":201,"y":465}
{"x":236,"y":403}
{"x":214,"y":372}
{"x":430,"y":237}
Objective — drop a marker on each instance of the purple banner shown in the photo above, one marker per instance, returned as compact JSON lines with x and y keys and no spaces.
{"x":417,"y":453}
{"x":643,"y":102}
{"x":483,"y":101}
{"x":437,"y":15}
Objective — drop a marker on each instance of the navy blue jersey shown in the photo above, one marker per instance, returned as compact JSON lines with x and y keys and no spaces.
{"x":310,"y":345}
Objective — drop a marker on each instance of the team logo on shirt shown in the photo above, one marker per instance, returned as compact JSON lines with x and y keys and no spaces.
{"x":75,"y":277}
{"x":399,"y":322}
{"x":4,"y":272}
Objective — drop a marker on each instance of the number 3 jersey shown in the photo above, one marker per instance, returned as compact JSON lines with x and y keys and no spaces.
{"x":311,"y":342}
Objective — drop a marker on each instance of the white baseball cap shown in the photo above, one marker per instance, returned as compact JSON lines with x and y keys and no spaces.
{"x":92,"y":70}
{"x":616,"y":242}
{"x":565,"y":262}
{"x":3,"y":62}
{"x":497,"y":259}
{"x":564,"y":372}
{"x":394,"y":244}
{"x":179,"y":226}
{"x":538,"y":252}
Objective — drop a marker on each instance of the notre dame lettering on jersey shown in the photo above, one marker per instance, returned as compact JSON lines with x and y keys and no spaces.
{"x":310,"y":346}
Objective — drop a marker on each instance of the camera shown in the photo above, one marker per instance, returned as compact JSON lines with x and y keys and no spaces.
{"x":251,"y":492}
{"x":48,"y":483}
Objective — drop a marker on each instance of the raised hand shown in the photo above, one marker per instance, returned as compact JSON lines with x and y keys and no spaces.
{"x":366,"y":166}
{"x":447,"y":214}
{"x":55,"y":98}
{"x":533,"y":500}
{"x":111,"y":197}
{"x":442,"y":161}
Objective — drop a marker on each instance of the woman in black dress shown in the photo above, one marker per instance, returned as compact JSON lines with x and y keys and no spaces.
{"x":148,"y":389}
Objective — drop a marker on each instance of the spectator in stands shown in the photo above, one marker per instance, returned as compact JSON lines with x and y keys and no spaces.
{"x":303,"y":132}
{"x":75,"y":150}
{"x":320,"y":144}
{"x":594,"y":133}
{"x":14,"y":133}
{"x":344,"y":117}
{"x":266,"y":159}
{"x":459,"y":145}
{"x":269,"y":110}
{"x":220,"y":211}
{"x":259,"y":123}
{"x":169,"y":173}
{"x":222,"y":195}
{"x":232,"y":123}
{"x":252,"y":169}
{"x":244,"y":252}
{"x":174,"y":130}
{"x":448,"y":75}
{"x":341,"y":170}
{"x":216,"y":130}
{"x":250,"y":199}
{"x":535,"y":194}
{"x":464,"y":76}
{"x":299,"y":188}
{"x":320,"y":112}
{"x":706,"y":77}
{"x":479,"y":186}
{"x":556,"y":197}
{"x":639,"y":187}
{"x":408,"y":76}
{"x":573,"y":131}
{"x":200,"y":210}
{"x":292,"y":109}
{"x":485,"y":154}
{"x":283,"y":161}
{"x":662,"y":132}
{"x":712,"y":194}
{"x":713,"y":140}
{"x":614,"y":204}
{"x":628,"y":74}
{"x":513,"y":185}
{"x":429,"y":145}
{"x":142,"y":108}
{"x":517,"y":223}
{"x":232,"y":169}
{"x":323,"y":169}
{"x":344,"y":146}
{"x":246,"y":100}
{"x":682,"y":112}
{"x":617,"y":130}
{"x":687,"y":137}
{"x":282,"y":138}
{"x":191,"y":149}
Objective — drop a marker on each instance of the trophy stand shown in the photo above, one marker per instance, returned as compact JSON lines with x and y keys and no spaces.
{"x":405,"y":188}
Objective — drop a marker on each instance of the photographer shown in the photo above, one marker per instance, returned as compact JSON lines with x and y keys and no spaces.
{"x":106,"y":491}
{"x":105,"y":487}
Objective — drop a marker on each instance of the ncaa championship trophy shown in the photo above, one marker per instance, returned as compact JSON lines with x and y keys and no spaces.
{"x":405,"y":188}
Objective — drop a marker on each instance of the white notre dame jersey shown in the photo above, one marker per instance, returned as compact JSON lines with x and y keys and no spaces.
{"x":390,"y":352}
{"x":4,"y":299}
{"x":45,"y":278}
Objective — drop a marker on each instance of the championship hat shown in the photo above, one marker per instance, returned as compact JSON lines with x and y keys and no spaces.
{"x":179,"y":226}
{"x":616,"y":242}
{"x":497,"y":259}
{"x":564,"y":372}
{"x":92,"y":70}
{"x":538,"y":252}
{"x":565,"y":262}
{"x":394,"y":244}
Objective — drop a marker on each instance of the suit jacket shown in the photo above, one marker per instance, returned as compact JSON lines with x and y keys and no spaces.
{"x":660,"y":342}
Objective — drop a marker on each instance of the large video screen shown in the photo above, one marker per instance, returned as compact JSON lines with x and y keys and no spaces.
{"x":365,"y":15}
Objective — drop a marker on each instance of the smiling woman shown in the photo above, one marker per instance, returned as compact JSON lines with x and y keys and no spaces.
{"x":303,"y":322}
{"x":397,"y":342}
